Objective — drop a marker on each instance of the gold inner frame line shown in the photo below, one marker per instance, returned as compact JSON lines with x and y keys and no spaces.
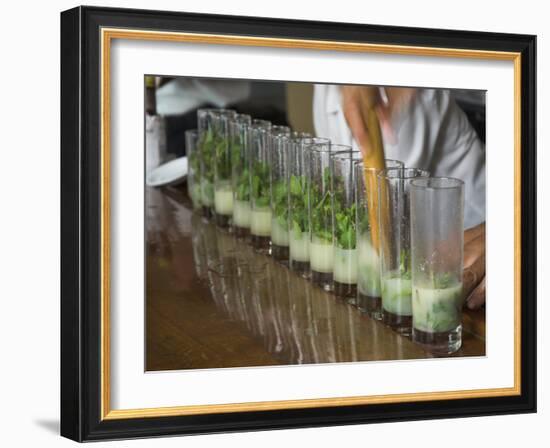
{"x":107,"y":35}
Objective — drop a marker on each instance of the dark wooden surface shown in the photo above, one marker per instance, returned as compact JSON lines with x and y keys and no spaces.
{"x":212,"y":302}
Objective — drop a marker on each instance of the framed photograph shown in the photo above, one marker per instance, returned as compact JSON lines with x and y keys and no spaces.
{"x":277,"y":224}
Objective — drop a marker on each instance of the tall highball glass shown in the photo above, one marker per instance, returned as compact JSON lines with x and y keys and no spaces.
{"x":240,"y":174}
{"x":298,"y":203}
{"x":260,"y":188}
{"x":321,"y":250}
{"x":343,"y":222}
{"x":369,"y":295}
{"x":280,"y":153}
{"x":437,"y":241}
{"x":208,"y":140}
{"x":223,"y":189}
{"x":395,"y":245}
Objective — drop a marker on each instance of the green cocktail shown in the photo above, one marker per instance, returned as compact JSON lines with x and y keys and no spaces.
{"x":437,"y":310}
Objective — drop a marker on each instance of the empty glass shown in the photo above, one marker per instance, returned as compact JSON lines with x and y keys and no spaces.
{"x":395,"y":248}
{"x":437,"y":241}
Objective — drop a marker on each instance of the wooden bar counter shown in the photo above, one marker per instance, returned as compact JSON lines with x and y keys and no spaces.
{"x":212,"y":302}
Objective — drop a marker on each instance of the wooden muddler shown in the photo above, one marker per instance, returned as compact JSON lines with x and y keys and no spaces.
{"x":373,"y":157}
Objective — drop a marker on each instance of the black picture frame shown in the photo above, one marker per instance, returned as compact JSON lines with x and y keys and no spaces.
{"x":81,"y":224}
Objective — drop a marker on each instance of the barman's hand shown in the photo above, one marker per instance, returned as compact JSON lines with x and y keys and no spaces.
{"x":357,"y":100}
{"x":474,"y":266}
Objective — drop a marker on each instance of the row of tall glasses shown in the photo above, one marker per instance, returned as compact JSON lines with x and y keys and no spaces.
{"x":311,"y":204}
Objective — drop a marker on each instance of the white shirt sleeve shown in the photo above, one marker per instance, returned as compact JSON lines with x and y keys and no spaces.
{"x":433,"y":134}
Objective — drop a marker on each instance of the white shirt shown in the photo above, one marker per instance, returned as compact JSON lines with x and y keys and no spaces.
{"x":432,"y":134}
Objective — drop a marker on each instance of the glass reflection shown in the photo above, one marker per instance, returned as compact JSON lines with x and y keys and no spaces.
{"x":295,"y":322}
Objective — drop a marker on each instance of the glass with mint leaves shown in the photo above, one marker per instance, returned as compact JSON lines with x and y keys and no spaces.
{"x":395,"y":245}
{"x":194,"y":174}
{"x":260,"y":191}
{"x":437,"y":240}
{"x":223,"y":189}
{"x":240,"y":166}
{"x":280,"y":153}
{"x":298,"y":211}
{"x":207,"y":142}
{"x":343,"y":222}
{"x":321,"y":250}
{"x":369,"y":296}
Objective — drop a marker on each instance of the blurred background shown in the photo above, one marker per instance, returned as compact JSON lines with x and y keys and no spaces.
{"x":176,"y":100}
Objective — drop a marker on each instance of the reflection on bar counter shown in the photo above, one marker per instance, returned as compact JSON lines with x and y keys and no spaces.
{"x":294,"y":321}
